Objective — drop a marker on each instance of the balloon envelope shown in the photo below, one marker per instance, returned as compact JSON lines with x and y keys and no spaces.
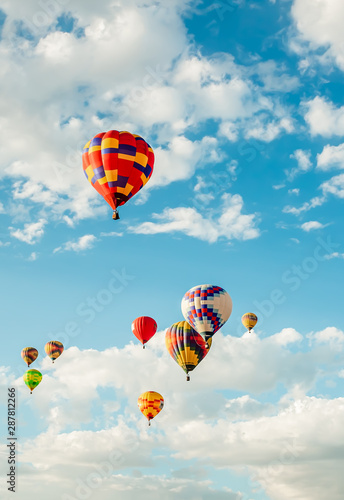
{"x":249,"y":320}
{"x":32,"y":378}
{"x":118,"y":165}
{"x":206,"y":308}
{"x":54,"y":349}
{"x":185,"y":346}
{"x":144,"y":328}
{"x":150,"y":403}
{"x":29,"y":354}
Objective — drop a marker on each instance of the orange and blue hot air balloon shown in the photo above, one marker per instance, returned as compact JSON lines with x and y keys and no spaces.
{"x":249,"y":320}
{"x":144,"y":328}
{"x":150,"y":403}
{"x":118,"y":165}
{"x":186,"y":346}
{"x":29,"y":354}
{"x":206,"y":308}
{"x":54,"y":349}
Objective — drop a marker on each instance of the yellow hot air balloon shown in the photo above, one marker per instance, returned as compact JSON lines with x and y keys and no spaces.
{"x":150,"y":403}
{"x":32,"y":378}
{"x":29,"y":354}
{"x":249,"y":320}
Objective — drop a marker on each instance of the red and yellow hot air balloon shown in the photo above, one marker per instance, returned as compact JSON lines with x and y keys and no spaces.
{"x":118,"y":165}
{"x":150,"y":403}
{"x":186,"y":346}
{"x":144,"y":328}
{"x":29,"y":354}
{"x":54,"y":349}
{"x":249,"y":320}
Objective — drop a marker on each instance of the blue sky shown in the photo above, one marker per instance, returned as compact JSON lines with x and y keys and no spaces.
{"x":242,"y":104}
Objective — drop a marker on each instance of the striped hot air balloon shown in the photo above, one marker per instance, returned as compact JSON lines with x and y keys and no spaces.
{"x":249,"y":320}
{"x":150,"y":403}
{"x":118,"y":165}
{"x":32,"y":378}
{"x":186,"y":346}
{"x":54,"y":349}
{"x":29,"y":354}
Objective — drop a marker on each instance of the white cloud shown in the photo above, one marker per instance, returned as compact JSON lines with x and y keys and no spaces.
{"x":111,"y":234}
{"x":317,"y":201}
{"x":330,"y":335}
{"x":304,"y":163}
{"x":286,"y":336}
{"x":2,"y":208}
{"x":231,"y":224}
{"x":83,"y":243}
{"x":295,"y":191}
{"x":334,"y":255}
{"x":331,"y":157}
{"x":119,"y":442}
{"x":270,"y":131}
{"x":324,"y":118}
{"x":31,"y":233}
{"x":181,"y":158}
{"x":33,"y":256}
{"x":334,"y":186}
{"x":311,"y":225}
{"x":229,"y":130}
{"x":320,"y":24}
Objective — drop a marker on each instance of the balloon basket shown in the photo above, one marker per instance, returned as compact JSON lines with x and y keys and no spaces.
{"x":115,"y":215}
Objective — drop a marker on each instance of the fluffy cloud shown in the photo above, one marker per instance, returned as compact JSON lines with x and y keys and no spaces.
{"x":320,"y":24}
{"x":231,"y":224}
{"x":270,"y":131}
{"x":83,"y":243}
{"x":331,"y":157}
{"x":334,"y":186}
{"x":304,"y":163}
{"x":311,"y":225}
{"x":102,"y":458}
{"x":317,"y":201}
{"x":31,"y":233}
{"x":324,"y":118}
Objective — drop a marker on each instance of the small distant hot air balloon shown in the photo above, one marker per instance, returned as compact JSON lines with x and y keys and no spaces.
{"x":144,"y":328}
{"x":54,"y":349}
{"x":32,"y":378}
{"x":186,"y":346}
{"x":29,"y":354}
{"x":249,"y":320}
{"x":150,"y":403}
{"x":118,"y":165}
{"x":206,"y":308}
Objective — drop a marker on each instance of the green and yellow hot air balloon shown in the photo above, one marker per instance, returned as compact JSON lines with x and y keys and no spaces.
{"x":32,"y":378}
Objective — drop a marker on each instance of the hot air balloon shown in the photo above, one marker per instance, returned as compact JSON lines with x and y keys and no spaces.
{"x":186,"y":346}
{"x":54,"y":349}
{"x":150,"y":403}
{"x":144,"y":328}
{"x":206,"y":308}
{"x":29,"y":354}
{"x":249,"y":320}
{"x":118,"y":165}
{"x":32,"y":378}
